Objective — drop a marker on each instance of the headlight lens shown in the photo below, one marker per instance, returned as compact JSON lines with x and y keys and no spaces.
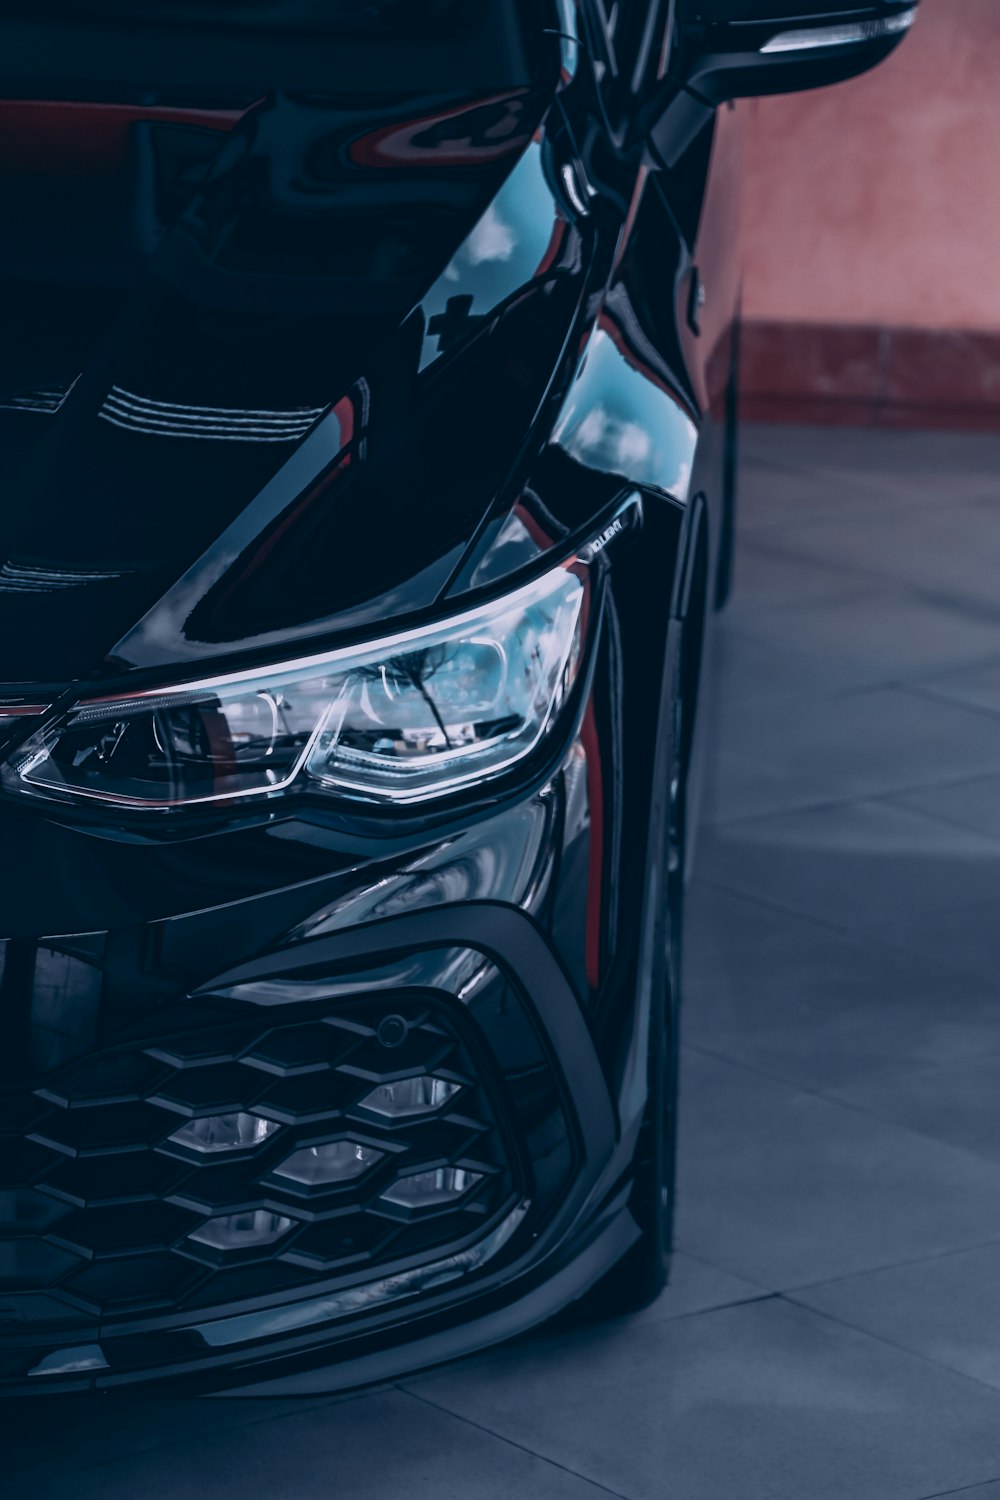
{"x":405,"y":718}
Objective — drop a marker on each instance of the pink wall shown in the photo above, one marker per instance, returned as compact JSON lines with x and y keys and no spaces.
{"x":878,"y":202}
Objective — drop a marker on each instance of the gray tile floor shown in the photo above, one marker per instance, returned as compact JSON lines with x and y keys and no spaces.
{"x":833,"y":1329}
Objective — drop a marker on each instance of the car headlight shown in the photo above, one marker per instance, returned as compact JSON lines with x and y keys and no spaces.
{"x":405,"y":718}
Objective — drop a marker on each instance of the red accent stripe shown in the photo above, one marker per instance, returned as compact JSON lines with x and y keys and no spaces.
{"x":595,"y":870}
{"x":399,"y":144}
{"x":552,"y":249}
{"x":64,"y":136}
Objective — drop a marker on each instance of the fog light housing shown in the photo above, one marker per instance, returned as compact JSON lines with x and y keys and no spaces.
{"x":323,"y":1166}
{"x":410,"y":1096}
{"x":231,"y":1132}
{"x":244,"y":1231}
{"x":432,"y":1189}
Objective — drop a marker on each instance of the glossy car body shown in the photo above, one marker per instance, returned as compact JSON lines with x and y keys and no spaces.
{"x":282,"y":373}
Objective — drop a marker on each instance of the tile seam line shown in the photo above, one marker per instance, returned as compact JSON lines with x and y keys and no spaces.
{"x":873,"y":1114}
{"x":966,"y":1489}
{"x":923,"y":681}
{"x":741,"y":634}
{"x":714,"y":1266}
{"x":695,"y":1312}
{"x":766,"y":904}
{"x":756,"y":458}
{"x":894,"y":681}
{"x":948,"y":822}
{"x":920,"y":690}
{"x":754,"y":617}
{"x":816,"y":511}
{"x":520,"y":1447}
{"x":940,"y":596}
{"x":331,"y":1398}
{"x":860,"y":573}
{"x":888,"y":505}
{"x":972,"y":976}
{"x":785,"y":469}
{"x":854,"y":1109}
{"x":888,"y":482}
{"x":886,"y":488}
{"x":797,"y":810}
{"x":900,"y":1265}
{"x":789,"y":553}
{"x":863,"y":939}
{"x":924,"y":1359}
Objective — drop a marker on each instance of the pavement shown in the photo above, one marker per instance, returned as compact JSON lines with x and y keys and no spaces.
{"x":832,"y":1331}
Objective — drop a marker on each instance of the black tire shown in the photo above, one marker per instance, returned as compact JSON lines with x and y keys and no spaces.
{"x":642,"y":1273}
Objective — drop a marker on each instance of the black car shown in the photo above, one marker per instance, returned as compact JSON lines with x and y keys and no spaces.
{"x":367,"y":402}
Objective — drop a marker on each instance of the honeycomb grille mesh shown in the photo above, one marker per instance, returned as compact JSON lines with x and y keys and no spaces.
{"x":103,"y":1216}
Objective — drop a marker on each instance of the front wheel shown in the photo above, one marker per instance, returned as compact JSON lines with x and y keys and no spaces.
{"x":642,"y":1273}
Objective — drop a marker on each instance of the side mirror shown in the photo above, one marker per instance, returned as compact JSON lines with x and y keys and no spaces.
{"x":737,"y":49}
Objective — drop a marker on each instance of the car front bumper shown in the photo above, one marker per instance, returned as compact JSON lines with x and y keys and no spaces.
{"x":238,"y":973}
{"x":107,"y":1279}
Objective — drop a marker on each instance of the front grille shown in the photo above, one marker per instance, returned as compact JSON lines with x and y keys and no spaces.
{"x":111,"y":1209}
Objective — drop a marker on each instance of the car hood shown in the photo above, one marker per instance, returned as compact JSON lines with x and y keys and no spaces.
{"x":246,"y":395}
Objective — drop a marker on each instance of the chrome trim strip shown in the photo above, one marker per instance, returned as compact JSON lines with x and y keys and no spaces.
{"x":23,"y":578}
{"x":131,"y":398}
{"x":138,"y":413}
{"x":226,"y":435}
{"x":46,"y":399}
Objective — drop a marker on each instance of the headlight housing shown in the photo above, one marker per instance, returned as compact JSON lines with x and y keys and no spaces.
{"x":406,"y":718}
